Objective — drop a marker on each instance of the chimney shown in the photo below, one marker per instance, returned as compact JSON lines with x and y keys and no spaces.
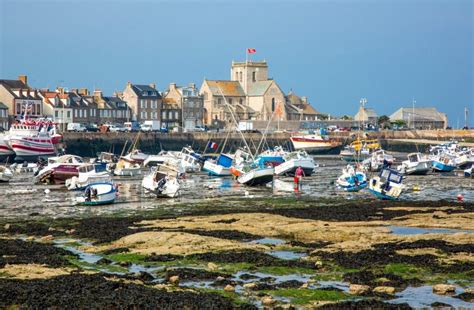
{"x":304,"y":99}
{"x":24,"y":79}
{"x":152,"y":85}
{"x":97,"y":94}
{"x":60,"y":90}
{"x":172,"y":86}
{"x":129,"y":84}
{"x":192,"y":85}
{"x":74,"y":90}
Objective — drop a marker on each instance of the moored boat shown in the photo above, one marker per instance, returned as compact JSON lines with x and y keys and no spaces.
{"x":387,"y":185}
{"x":359,"y":150}
{"x":256,"y":176}
{"x":5,"y":174}
{"x":220,"y":167}
{"x":443,"y":163}
{"x":59,"y":169}
{"x":88,"y":174}
{"x":352,"y":179}
{"x":163,"y":180}
{"x":416,"y":164}
{"x":294,"y":160}
{"x":98,"y":194}
{"x":125,"y":167}
{"x":313,"y":143}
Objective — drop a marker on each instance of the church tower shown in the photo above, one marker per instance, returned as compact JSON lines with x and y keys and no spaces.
{"x":249,"y":72}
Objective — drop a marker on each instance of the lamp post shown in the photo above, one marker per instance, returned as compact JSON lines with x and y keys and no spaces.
{"x":362,"y":102}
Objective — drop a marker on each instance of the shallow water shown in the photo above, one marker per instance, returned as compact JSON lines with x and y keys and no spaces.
{"x":268,"y":241}
{"x":21,"y":197}
{"x":423,"y":297}
{"x":287,"y":255}
{"x":405,"y":230}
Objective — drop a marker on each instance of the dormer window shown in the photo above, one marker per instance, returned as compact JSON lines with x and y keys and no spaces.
{"x":145,"y":94}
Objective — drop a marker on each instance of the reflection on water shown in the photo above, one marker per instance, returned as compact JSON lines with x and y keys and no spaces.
{"x":405,"y":230}
{"x":21,"y":197}
{"x":423,"y":297}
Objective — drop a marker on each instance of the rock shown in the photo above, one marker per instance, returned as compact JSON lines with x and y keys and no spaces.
{"x":104,"y":261}
{"x":220,"y":278}
{"x":268,"y":301}
{"x":469,"y":290}
{"x":212,"y":266}
{"x":47,"y":238}
{"x":30,"y":238}
{"x":305,"y":285}
{"x":358,"y":289}
{"x":51,"y":229}
{"x":384,"y":289}
{"x":250,"y":286}
{"x":229,"y":288}
{"x":125,"y":264}
{"x":7,"y":226}
{"x":318,"y":264}
{"x":174,"y":280}
{"x":70,"y":231}
{"x":443,"y":289}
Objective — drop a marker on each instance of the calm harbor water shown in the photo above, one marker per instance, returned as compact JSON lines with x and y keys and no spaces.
{"x":21,"y":197}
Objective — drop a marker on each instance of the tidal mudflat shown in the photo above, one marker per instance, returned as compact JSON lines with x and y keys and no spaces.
{"x":229,"y":253}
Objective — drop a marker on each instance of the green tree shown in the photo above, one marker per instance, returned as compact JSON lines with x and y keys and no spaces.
{"x":346,"y":117}
{"x":383,"y":121}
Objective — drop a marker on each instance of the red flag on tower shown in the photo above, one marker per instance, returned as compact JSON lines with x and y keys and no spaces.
{"x":251,"y":50}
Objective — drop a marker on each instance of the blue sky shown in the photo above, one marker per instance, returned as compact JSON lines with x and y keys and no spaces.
{"x":333,"y":52}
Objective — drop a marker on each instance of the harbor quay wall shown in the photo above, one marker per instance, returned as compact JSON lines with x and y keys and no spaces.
{"x":89,"y":144}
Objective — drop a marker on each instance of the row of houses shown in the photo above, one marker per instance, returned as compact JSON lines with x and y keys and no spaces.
{"x":249,"y":94}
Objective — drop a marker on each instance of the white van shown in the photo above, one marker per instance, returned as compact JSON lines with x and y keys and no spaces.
{"x":76,"y":127}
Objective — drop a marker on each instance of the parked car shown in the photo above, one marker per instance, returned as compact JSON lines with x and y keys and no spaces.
{"x":76,"y":127}
{"x":116,"y":128}
{"x":131,"y":126}
{"x":92,"y":128}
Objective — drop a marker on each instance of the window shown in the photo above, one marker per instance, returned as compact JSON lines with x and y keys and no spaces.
{"x":170,"y":115}
{"x":236,"y":76}
{"x":143,"y":103}
{"x":254,"y":76}
{"x":230,"y":101}
{"x":56,"y":114}
{"x":219,"y":101}
{"x":175,"y":114}
{"x":143,"y":115}
{"x":240,"y":74}
{"x":273,"y":104}
{"x":163,"y":114}
{"x":18,"y":108}
{"x":68,"y":114}
{"x":240,"y":101}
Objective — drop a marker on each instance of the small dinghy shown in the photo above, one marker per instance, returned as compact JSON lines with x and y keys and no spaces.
{"x":5,"y":174}
{"x":256,"y":176}
{"x":98,"y":194}
{"x":352,"y":179}
{"x":88,"y":174}
{"x":387,"y":185}
{"x":163,"y":180}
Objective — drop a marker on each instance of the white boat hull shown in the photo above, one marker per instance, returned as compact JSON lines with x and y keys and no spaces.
{"x":170,"y":189}
{"x":131,"y":172}
{"x":289,"y":167}
{"x":259,"y":176}
{"x":215,"y":169}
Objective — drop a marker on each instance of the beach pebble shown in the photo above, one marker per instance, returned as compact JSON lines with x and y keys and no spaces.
{"x":211,"y":266}
{"x":305,"y":285}
{"x":229,"y":288}
{"x":220,"y":278}
{"x":174,"y":280}
{"x":47,"y":238}
{"x":250,"y":286}
{"x":268,"y":301}
{"x":318,"y":264}
{"x":70,"y":231}
{"x":47,"y":191}
{"x":358,"y":289}
{"x":443,"y":289}
{"x":6,"y":227}
{"x":384,"y":289}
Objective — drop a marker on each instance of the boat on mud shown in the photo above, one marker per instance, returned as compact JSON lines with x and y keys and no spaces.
{"x":469,"y":172}
{"x":387,"y":185}
{"x":125,"y":167}
{"x":352,"y":179}
{"x":88,"y":174}
{"x":443,"y":163}
{"x":220,"y":167}
{"x":293,"y":160}
{"x":59,"y":169}
{"x":416,"y":164}
{"x":5,"y":174}
{"x":378,"y":159}
{"x":163,"y":180}
{"x":98,"y":194}
{"x":256,"y":176}
{"x":359,"y":150}
{"x":190,"y":160}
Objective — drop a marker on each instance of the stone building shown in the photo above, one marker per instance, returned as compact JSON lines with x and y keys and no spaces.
{"x":111,"y":110}
{"x":421,"y":118}
{"x":144,"y":101}
{"x":56,"y":106}
{"x":367,"y":115}
{"x":20,"y":98}
{"x":188,"y":101}
{"x":251,"y":95}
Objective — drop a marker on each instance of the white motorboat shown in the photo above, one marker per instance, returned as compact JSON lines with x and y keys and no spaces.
{"x":163,"y":180}
{"x":469,"y":172}
{"x":5,"y":174}
{"x":359,"y":150}
{"x":88,"y":174}
{"x":98,"y":194}
{"x":352,"y":179}
{"x":416,"y":164}
{"x":220,"y":167}
{"x":378,"y":160}
{"x":59,"y":169}
{"x":160,"y":158}
{"x":387,"y":185}
{"x":125,"y":167}
{"x":294,"y":160}
{"x":136,"y":156}
{"x":313,"y":143}
{"x":5,"y":150}
{"x":190,"y":160}
{"x":256,"y":176}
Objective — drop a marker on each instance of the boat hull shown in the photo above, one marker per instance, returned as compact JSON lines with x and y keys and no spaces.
{"x":31,"y":148}
{"x":289,"y":167}
{"x":215,"y":169}
{"x":106,"y":194}
{"x":312,"y":145}
{"x":257,"y":177}
{"x":441,"y":167}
